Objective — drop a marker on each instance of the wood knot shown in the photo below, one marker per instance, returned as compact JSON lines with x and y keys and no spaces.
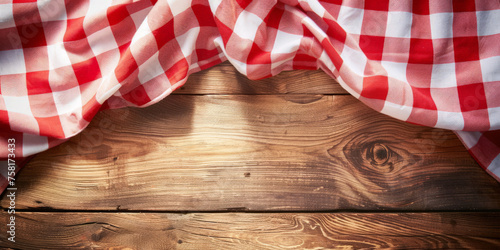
{"x":375,"y":160}
{"x":378,"y":154}
{"x":375,"y":157}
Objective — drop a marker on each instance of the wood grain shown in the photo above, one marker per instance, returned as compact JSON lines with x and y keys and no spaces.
{"x":225,"y":79}
{"x":257,"y":153}
{"x":255,"y":231}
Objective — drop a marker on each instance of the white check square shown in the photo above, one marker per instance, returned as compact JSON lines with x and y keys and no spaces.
{"x":494,"y":115}
{"x":52,"y":10}
{"x":443,"y":75}
{"x":354,"y":60}
{"x":488,"y":22}
{"x":399,"y":24}
{"x":187,"y":41}
{"x":247,"y":24}
{"x":494,"y":166}
{"x":18,"y":104}
{"x":450,"y":120}
{"x":6,"y":16}
{"x":57,"y":56}
{"x":142,"y":31}
{"x":440,"y":25}
{"x":395,"y":70}
{"x":68,"y":101}
{"x":178,"y":7}
{"x":286,"y":43}
{"x":102,"y":41}
{"x":395,"y":110}
{"x":490,"y":68}
{"x":469,"y":138}
{"x":12,"y":62}
{"x":33,"y":144}
{"x":150,"y":69}
{"x":351,"y":19}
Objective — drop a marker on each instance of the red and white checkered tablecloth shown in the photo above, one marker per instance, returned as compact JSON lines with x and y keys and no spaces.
{"x":434,"y":63}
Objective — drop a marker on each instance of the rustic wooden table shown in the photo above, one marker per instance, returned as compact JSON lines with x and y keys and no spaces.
{"x":289,"y":162}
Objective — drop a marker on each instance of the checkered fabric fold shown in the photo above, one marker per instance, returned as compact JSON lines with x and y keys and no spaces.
{"x":434,"y":63}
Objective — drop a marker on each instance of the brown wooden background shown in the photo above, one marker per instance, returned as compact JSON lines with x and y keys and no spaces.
{"x":289,"y":162}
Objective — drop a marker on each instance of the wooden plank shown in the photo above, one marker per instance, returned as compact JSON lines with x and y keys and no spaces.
{"x":257,"y":153}
{"x":254,"y":231}
{"x":225,"y":79}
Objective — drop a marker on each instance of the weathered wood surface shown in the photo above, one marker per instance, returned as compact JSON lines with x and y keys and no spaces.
{"x":225,"y":79}
{"x":257,"y":153}
{"x":255,"y":231}
{"x":284,"y":144}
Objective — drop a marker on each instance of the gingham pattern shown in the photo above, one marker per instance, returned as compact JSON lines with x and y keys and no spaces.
{"x":434,"y":63}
